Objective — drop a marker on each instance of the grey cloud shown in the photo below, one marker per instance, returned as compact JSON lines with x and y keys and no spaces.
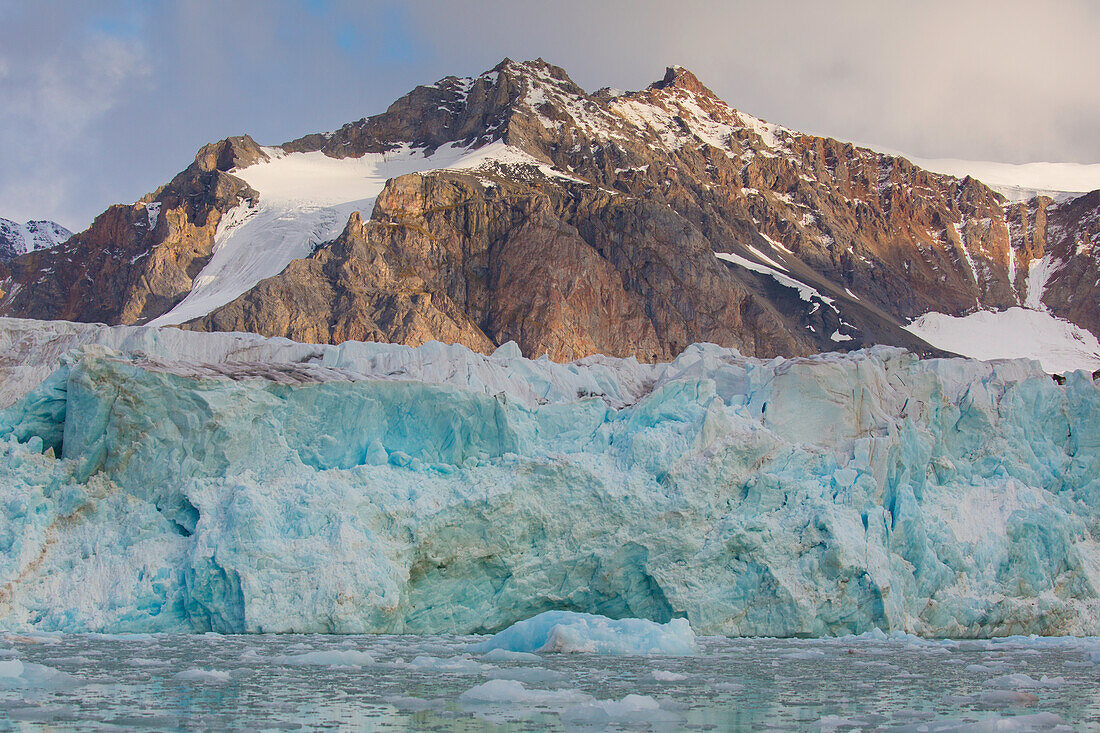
{"x":1012,"y":80}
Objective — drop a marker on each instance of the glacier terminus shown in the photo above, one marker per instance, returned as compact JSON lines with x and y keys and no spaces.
{"x":157,"y":480}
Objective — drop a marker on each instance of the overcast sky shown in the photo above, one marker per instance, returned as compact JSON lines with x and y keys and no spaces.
{"x":101,"y":101}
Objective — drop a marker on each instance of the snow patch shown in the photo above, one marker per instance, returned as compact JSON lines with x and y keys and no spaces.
{"x":152,"y":211}
{"x":805,"y":292}
{"x":1039,"y":273}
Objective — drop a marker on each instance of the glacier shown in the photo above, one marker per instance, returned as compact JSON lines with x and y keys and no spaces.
{"x":159,"y":480}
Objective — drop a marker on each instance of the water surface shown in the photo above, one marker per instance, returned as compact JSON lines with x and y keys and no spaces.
{"x":214,"y":682}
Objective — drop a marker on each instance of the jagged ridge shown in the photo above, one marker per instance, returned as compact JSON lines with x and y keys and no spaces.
{"x":598,"y":234}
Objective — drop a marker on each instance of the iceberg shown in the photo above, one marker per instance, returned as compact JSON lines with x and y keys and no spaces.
{"x":568,"y":631}
{"x":159,"y":480}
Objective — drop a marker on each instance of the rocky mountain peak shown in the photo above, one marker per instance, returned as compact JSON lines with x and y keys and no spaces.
{"x":533,"y":70}
{"x":575,"y":223}
{"x":17,"y":239}
{"x":677,"y":77}
{"x":234,"y":152}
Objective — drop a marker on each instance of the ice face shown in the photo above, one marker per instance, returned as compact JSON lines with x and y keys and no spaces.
{"x":195,"y":482}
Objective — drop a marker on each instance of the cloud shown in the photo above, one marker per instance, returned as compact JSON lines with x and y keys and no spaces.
{"x":57,"y":84}
{"x":109,"y":98}
{"x":1013,"y":80}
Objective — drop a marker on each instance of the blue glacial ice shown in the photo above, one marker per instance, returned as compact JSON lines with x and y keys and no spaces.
{"x":163,"y":480}
{"x":569,"y":631}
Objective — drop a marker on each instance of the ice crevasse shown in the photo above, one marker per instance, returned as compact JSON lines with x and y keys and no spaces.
{"x":162,"y":480}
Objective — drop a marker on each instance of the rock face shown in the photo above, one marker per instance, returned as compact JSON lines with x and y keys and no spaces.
{"x":1064,"y":243}
{"x":639,"y":284}
{"x":196,"y":482}
{"x":618,"y":223}
{"x":137,"y":261}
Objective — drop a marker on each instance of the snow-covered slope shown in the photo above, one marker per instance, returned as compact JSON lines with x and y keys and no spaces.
{"x":367,"y":487}
{"x":17,"y":239}
{"x":1016,"y":333}
{"x":1028,"y":332}
{"x":1020,"y":181}
{"x":305,"y":200}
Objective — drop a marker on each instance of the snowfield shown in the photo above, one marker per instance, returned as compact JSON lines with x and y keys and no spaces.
{"x":1016,"y":333}
{"x":160,"y":480}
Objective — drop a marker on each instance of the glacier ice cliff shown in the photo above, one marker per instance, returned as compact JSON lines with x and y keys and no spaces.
{"x":161,"y":480}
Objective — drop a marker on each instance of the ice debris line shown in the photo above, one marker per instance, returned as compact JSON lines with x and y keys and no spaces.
{"x":163,"y":480}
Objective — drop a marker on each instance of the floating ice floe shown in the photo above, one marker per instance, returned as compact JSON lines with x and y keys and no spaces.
{"x":568,"y":631}
{"x":16,"y":674}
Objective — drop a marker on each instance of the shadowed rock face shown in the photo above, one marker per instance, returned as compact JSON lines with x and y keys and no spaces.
{"x":1069,"y":234}
{"x":609,"y":247}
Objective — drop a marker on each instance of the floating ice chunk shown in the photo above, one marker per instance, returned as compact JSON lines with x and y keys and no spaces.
{"x":631,"y":709}
{"x":499,"y":692}
{"x":833,"y":723}
{"x":1021,"y":681}
{"x":415,"y":704}
{"x":209,"y":676}
{"x":661,"y":675}
{"x":506,"y":655}
{"x":146,"y":662}
{"x":336,"y":658}
{"x":450,"y":665}
{"x":16,"y":674}
{"x":1006,"y":697}
{"x":805,"y":654}
{"x":51,"y":714}
{"x":567,"y":631}
{"x":528,"y":675}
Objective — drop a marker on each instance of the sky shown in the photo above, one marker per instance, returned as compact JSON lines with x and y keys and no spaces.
{"x":102,"y":101}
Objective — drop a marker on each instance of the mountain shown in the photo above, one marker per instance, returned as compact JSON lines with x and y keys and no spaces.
{"x":17,"y":239}
{"x":517,"y":206}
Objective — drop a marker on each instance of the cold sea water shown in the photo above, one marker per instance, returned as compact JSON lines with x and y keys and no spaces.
{"x":319,"y":682}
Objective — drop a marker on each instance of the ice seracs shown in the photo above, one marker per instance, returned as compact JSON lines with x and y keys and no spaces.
{"x":190,"y":482}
